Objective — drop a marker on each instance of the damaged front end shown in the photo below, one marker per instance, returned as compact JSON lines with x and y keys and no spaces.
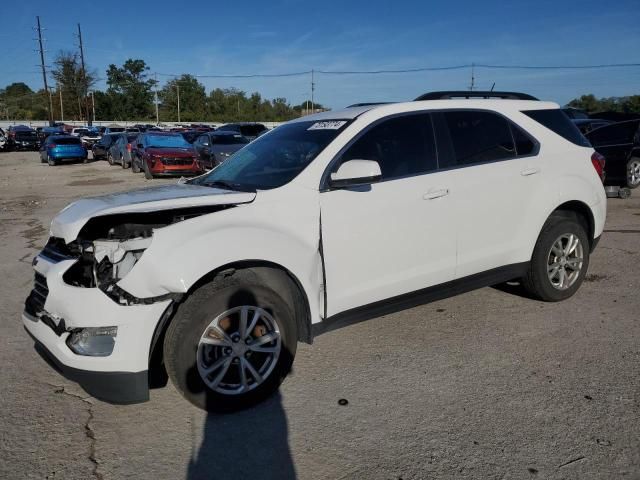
{"x":108,"y":247}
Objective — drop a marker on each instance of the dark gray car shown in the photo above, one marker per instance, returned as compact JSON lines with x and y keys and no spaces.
{"x":121,"y":149}
{"x":213,"y":148}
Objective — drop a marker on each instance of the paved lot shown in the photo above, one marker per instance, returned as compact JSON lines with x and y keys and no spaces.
{"x":484,"y":385}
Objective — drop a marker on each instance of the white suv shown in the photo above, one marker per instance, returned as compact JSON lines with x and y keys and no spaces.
{"x":327,"y":219}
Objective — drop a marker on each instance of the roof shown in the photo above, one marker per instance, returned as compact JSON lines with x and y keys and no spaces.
{"x":391,"y":108}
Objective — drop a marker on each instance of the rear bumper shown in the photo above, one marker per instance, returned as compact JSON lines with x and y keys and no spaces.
{"x":68,"y":155}
{"x":112,"y":387}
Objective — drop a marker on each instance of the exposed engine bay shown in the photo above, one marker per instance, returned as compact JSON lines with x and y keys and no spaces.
{"x":108,"y":247}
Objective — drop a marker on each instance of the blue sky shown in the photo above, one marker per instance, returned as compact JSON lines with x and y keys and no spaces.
{"x":278,"y":36}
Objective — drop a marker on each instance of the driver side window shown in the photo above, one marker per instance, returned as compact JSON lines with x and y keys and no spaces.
{"x":403,"y":146}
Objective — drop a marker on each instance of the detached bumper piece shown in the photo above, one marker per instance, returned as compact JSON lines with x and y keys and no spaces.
{"x":114,"y":387}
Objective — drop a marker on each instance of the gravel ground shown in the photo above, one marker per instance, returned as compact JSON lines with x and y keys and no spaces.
{"x":484,"y":385}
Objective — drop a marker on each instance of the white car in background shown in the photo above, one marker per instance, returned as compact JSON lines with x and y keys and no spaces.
{"x":327,"y":219}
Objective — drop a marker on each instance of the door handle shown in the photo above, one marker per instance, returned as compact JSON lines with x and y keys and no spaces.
{"x":529,"y":171}
{"x":431,"y":194}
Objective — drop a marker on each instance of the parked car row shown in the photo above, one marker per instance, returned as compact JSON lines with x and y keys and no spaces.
{"x":158,"y":153}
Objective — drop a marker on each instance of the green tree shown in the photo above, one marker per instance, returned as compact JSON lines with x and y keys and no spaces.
{"x":74,"y":83}
{"x":193,"y":100}
{"x":592,"y":104}
{"x":130,"y":91}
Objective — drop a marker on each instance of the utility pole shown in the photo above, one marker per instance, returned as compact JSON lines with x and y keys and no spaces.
{"x":313,"y":87}
{"x":156,"y":99}
{"x":178,"y":88}
{"x":84,"y":76}
{"x":61,"y":110}
{"x":44,"y":71}
{"x":473,"y":78}
{"x":93,"y":108}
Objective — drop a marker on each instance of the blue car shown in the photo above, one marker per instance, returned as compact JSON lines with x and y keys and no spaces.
{"x":62,"y":147}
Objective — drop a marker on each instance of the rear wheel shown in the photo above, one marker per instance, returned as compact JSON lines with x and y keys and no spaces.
{"x":560,"y":259}
{"x":51,"y":161}
{"x":633,"y":172}
{"x":231,"y":343}
{"x":123,"y":163}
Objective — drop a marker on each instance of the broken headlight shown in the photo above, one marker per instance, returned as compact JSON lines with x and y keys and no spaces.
{"x":114,"y":259}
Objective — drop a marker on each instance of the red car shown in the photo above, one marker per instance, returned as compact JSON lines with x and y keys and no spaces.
{"x":164,"y":154}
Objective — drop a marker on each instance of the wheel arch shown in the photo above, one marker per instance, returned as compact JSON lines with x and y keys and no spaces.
{"x":581,"y":211}
{"x":272,"y":273}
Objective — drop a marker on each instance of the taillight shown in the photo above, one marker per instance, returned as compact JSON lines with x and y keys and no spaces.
{"x":129,"y":147}
{"x":598,"y":162}
{"x":52,"y":145}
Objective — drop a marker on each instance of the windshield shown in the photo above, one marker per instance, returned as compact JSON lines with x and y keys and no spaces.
{"x":170,"y":141}
{"x":26,"y":134}
{"x":228,"y":139}
{"x":275,"y":158}
{"x":116,"y":129}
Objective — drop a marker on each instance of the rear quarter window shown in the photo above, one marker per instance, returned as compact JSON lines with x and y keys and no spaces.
{"x":556,"y":121}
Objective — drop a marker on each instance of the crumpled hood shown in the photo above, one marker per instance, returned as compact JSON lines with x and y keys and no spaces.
{"x":68,"y":223}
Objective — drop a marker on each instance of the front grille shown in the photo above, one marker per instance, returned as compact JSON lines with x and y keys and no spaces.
{"x":38,"y":296}
{"x":176,"y":161}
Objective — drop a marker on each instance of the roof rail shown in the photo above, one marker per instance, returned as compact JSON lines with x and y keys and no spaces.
{"x":448,"y":95}
{"x":367,"y":104}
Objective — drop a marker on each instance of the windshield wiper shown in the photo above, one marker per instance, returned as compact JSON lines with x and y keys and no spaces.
{"x":228,"y":185}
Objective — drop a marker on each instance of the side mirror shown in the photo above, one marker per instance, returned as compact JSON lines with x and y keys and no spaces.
{"x":356,"y":172}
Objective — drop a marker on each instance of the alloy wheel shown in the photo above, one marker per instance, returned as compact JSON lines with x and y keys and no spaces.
{"x":633,"y":173}
{"x":238,"y":350}
{"x":565,"y":261}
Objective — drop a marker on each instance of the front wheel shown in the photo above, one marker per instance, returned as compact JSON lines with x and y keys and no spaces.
{"x":110,"y":159}
{"x":231,"y":343}
{"x":633,"y":172}
{"x":560,"y":260}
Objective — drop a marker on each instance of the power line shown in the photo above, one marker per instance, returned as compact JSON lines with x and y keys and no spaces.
{"x":415,"y":70}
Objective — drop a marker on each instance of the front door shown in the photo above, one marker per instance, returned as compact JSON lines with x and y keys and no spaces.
{"x":394,"y":236}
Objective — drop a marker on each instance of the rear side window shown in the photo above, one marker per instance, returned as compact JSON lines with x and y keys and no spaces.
{"x":402,"y":146}
{"x":559,"y":123}
{"x":475,"y":137}
{"x":621,"y":133}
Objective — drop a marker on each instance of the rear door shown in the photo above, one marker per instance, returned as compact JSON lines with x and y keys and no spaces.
{"x":495,"y":169}
{"x":394,"y":236}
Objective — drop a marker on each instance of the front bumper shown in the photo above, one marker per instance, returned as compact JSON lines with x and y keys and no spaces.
{"x":121,"y":377}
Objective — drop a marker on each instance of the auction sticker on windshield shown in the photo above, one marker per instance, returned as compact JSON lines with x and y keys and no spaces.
{"x":328,"y":125}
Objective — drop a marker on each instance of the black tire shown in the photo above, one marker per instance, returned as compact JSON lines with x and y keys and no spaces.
{"x":633,"y":181}
{"x":244,"y":287}
{"x":123,"y":163}
{"x":110,"y":159}
{"x":135,"y":168}
{"x":51,"y":161}
{"x":147,"y":173}
{"x":537,"y":281}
